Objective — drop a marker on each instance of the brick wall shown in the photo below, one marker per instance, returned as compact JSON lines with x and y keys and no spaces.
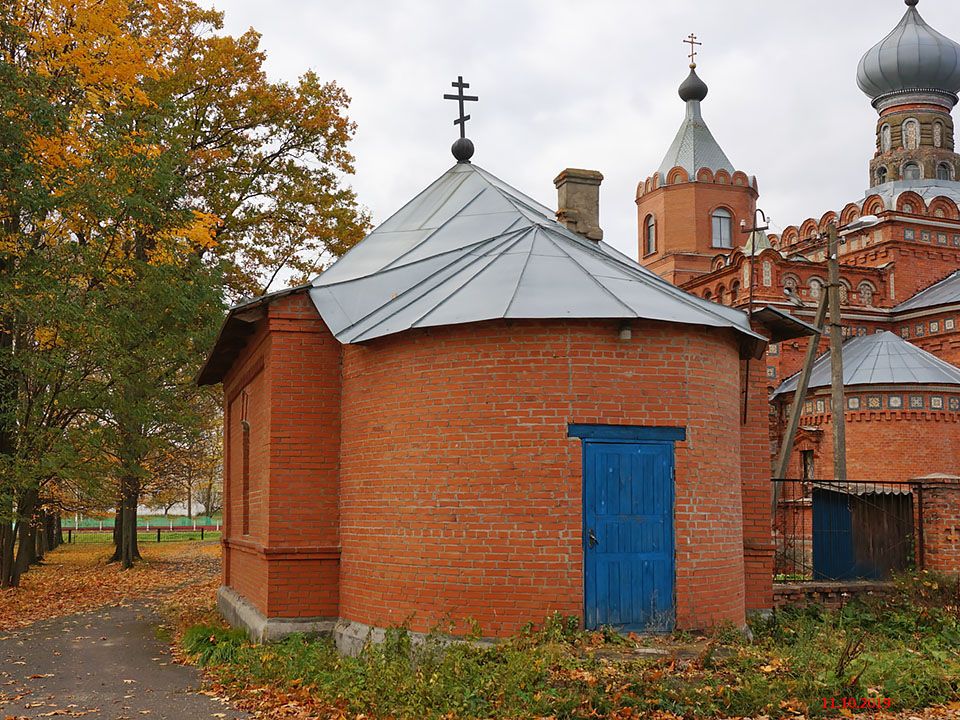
{"x":461,"y":492}
{"x":288,"y":563}
{"x":755,"y":469}
{"x":884,"y":444}
{"x":940,"y":501}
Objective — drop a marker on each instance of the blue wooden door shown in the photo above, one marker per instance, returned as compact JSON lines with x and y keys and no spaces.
{"x":628,"y":535}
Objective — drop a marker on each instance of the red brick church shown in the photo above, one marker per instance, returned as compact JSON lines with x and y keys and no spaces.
{"x":483,"y":413}
{"x":900,"y":275}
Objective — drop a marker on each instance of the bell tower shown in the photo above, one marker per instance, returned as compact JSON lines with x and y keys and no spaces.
{"x":912,"y":77}
{"x":689,"y":210}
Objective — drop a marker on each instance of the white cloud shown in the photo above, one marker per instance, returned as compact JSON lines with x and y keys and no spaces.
{"x":593,"y":84}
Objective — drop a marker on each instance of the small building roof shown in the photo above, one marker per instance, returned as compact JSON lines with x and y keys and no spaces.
{"x":942,"y":293}
{"x":879,"y":359}
{"x":471,"y":248}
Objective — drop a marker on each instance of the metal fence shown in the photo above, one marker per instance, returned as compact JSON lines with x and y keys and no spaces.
{"x":841,"y":531}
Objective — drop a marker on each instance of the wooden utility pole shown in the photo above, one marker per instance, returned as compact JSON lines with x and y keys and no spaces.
{"x":800,"y":394}
{"x":837,"y":408}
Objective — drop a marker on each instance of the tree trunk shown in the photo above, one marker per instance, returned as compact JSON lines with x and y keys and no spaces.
{"x":117,"y":533}
{"x":189,"y":501}
{"x":6,"y":540}
{"x":58,"y":530}
{"x":8,"y":398}
{"x":129,"y":549}
{"x":26,"y":534}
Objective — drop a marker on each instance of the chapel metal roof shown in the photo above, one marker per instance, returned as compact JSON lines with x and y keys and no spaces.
{"x":471,"y":248}
{"x":880,"y":359}
{"x":942,"y":293}
{"x":912,"y":57}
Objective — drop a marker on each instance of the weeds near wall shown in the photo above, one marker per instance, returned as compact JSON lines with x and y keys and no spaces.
{"x":905,"y":649}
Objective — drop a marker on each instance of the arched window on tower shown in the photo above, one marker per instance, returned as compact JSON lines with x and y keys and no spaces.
{"x":944,"y":172}
{"x":911,"y":171}
{"x":722,"y":220}
{"x":650,"y":236}
{"x":734,"y":291}
{"x":881,"y":175}
{"x":886,"y":142}
{"x":911,"y":134}
{"x":938,"y":134}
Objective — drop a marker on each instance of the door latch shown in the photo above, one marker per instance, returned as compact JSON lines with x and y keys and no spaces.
{"x":592,"y":538}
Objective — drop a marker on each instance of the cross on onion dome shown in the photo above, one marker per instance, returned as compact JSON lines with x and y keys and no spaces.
{"x":692,"y":42}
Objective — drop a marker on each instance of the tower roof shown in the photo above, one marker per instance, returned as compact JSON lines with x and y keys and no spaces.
{"x":472,"y":248}
{"x":880,"y":359}
{"x":913,"y":57}
{"x":694,"y":147}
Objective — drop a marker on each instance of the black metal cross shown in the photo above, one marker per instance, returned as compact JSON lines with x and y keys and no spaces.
{"x":461,"y":86}
{"x":692,"y":42}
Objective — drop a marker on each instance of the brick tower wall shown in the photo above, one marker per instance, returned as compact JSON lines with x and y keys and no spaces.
{"x":461,"y":494}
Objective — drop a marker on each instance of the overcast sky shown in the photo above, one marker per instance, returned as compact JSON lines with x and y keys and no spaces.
{"x":592,"y":84}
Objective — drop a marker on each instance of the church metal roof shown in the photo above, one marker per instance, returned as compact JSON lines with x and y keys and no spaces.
{"x":471,"y":248}
{"x":880,"y":359}
{"x":942,"y":293}
{"x":927,"y":189}
{"x":694,"y":147}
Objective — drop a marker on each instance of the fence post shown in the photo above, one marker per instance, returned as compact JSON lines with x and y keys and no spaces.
{"x":158,"y":534}
{"x":69,"y":535}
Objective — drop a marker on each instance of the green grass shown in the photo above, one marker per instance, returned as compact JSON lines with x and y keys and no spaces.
{"x":144,"y":537}
{"x":906,"y":648}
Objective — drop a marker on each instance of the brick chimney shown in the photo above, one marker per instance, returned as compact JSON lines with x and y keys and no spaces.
{"x":578,"y":201}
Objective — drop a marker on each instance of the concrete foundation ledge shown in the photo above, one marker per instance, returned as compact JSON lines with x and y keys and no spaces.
{"x":241,"y":613}
{"x":350,"y":637}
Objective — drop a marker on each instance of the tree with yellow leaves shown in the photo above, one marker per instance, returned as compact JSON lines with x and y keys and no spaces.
{"x":149,"y":170}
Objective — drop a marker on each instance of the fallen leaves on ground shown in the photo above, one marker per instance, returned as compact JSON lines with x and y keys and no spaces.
{"x":78,"y":578}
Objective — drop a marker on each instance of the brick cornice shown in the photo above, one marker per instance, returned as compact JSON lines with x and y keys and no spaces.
{"x":291,"y":552}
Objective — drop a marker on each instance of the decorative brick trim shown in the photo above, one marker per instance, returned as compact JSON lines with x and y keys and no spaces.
{"x":315,"y":552}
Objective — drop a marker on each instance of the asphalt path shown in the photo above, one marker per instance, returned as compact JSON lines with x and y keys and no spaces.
{"x":109,"y":664}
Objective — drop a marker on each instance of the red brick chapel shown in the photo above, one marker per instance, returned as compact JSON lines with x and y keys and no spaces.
{"x":483,"y":413}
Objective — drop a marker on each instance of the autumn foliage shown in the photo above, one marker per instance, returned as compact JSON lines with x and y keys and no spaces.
{"x":150,"y":172}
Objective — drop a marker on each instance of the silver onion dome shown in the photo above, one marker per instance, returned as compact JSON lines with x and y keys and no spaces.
{"x":913,"y":57}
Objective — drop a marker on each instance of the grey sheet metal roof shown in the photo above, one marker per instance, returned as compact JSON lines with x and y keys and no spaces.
{"x":942,"y":293}
{"x":880,"y":359}
{"x":471,"y":248}
{"x":864,"y":488}
{"x":927,"y":189}
{"x":782,"y":326}
{"x":913,"y":56}
{"x":694,"y":147}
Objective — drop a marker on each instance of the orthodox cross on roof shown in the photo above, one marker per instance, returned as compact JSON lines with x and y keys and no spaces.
{"x":462,"y":149}
{"x":461,"y":98}
{"x":692,"y":42}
